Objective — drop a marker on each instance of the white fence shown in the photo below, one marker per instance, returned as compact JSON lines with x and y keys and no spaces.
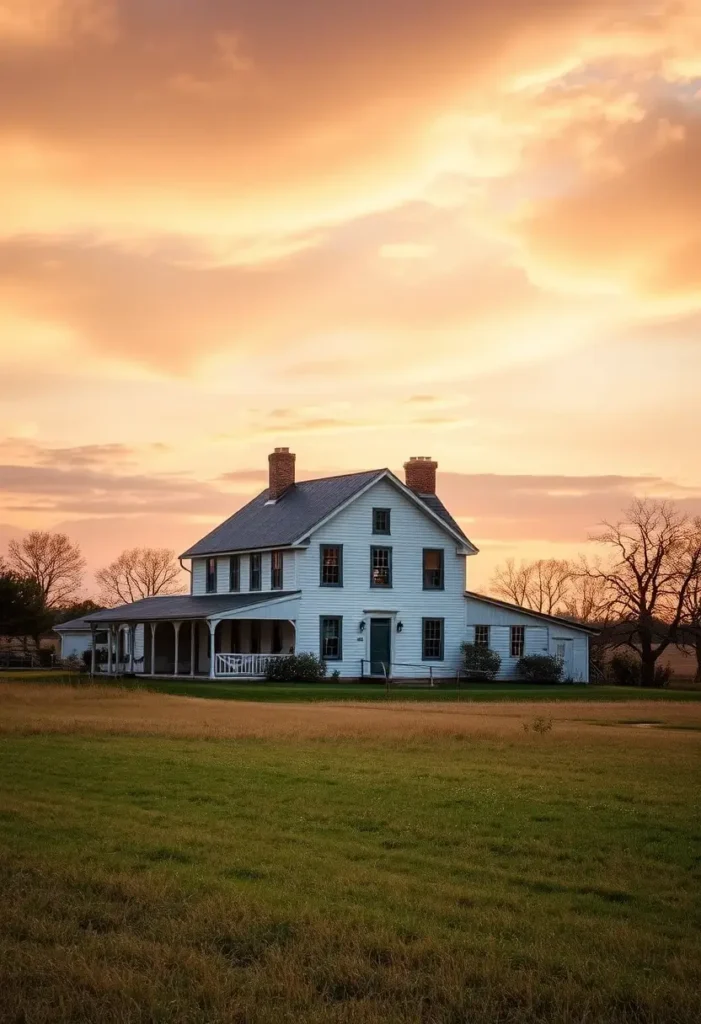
{"x":243,"y":664}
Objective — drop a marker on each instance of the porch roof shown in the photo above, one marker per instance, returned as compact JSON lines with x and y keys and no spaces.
{"x":185,"y":606}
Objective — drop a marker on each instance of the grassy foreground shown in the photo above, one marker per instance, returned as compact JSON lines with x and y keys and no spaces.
{"x":522,"y":877}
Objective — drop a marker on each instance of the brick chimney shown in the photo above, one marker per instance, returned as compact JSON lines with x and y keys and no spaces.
{"x":281,"y":468}
{"x":420,"y":473}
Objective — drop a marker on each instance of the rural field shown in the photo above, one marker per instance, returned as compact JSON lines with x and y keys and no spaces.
{"x":168,"y":858}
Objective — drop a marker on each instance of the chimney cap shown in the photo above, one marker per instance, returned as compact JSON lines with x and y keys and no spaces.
{"x":282,"y":449}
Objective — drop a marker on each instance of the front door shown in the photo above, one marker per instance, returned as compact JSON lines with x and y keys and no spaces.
{"x":562,"y":648}
{"x":380,"y":646}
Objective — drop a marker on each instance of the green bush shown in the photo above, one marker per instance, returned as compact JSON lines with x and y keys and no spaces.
{"x":296,"y":668}
{"x":539,"y":668}
{"x":626,"y":670}
{"x":480,"y":661}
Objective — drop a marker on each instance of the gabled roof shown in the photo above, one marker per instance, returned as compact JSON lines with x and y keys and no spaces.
{"x":570,"y":623}
{"x":298,"y":511}
{"x":185,"y":606}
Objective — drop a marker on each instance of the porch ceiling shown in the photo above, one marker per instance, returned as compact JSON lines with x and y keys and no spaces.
{"x":186,"y":606}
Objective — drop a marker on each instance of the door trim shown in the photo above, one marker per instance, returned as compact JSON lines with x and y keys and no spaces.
{"x":391,"y":616}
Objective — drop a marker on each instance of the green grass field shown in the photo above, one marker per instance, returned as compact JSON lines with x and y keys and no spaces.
{"x":546,"y":879}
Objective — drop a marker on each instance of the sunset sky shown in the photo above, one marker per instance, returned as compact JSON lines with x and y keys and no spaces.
{"x":362,"y":230}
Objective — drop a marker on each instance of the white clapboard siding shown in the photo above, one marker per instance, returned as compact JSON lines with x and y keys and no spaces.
{"x":406,"y":602}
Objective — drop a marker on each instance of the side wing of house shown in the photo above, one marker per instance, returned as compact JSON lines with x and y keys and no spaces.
{"x":512,"y":633}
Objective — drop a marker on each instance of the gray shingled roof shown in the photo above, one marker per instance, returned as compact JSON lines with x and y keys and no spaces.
{"x":184,"y":606}
{"x":73,"y":625}
{"x":510,"y":606}
{"x":297,"y":512}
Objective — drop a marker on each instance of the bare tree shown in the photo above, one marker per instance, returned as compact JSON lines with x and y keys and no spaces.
{"x":53,"y":561}
{"x":655,"y":562}
{"x":540,"y":586}
{"x":587,"y":598}
{"x":138,"y":573}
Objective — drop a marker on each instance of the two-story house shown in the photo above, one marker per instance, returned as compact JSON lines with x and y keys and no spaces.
{"x":363,"y":570}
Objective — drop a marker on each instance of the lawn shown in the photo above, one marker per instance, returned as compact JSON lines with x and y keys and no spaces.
{"x":375,"y":871}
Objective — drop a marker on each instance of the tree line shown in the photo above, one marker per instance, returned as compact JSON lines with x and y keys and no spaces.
{"x":643,"y":588}
{"x":43,"y":575}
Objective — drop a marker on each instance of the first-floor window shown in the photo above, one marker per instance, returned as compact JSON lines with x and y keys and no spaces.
{"x":235,"y":572}
{"x":432,"y":640}
{"x":211,"y":583}
{"x":481,"y":636}
{"x":254,"y":572}
{"x":276,"y":570}
{"x":101,"y":637}
{"x":518,"y":641}
{"x":331,"y":645}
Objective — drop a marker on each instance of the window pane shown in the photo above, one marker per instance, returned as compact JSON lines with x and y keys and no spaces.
{"x":211,"y":582}
{"x":481,"y":636}
{"x":331,"y":638}
{"x":433,"y":639}
{"x":234,"y":573}
{"x":276,"y":570}
{"x":255,"y":572}
{"x":331,"y":565}
{"x":381,"y":567}
{"x":380,"y":520}
{"x":433,"y":568}
{"x":518,"y":638}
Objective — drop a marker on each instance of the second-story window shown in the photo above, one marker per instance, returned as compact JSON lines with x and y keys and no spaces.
{"x":211,"y":576}
{"x":276,"y":570}
{"x":381,"y":520}
{"x":433,"y":568}
{"x":380,"y":567}
{"x":254,"y":572}
{"x":331,"y":565}
{"x":481,"y":636}
{"x":235,"y":572}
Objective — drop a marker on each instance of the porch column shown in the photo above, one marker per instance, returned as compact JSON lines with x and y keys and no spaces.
{"x":110,"y":633}
{"x":132,"y":638}
{"x":92,"y":650}
{"x":154,"y":625}
{"x":193,"y":626}
{"x":212,"y":655}
{"x":176,"y":627}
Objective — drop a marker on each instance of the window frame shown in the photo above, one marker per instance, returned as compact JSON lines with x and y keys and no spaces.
{"x":517,"y":647}
{"x":339,"y":620}
{"x":331,"y":547}
{"x":210,"y":579}
{"x":382,"y":533}
{"x":234,"y":574}
{"x":441,"y":655}
{"x":277,"y":572}
{"x":483,"y":643}
{"x":424,"y":570}
{"x":390,"y":583}
{"x":255,"y":559}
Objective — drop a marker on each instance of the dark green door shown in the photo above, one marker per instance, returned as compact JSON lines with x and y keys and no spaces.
{"x":380,"y":646}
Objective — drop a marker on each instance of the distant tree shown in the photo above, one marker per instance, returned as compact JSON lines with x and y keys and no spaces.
{"x":649,"y":578}
{"x":691,"y":623}
{"x":139,"y":573}
{"x":587,"y":598}
{"x":53,"y":561}
{"x":76,"y":610}
{"x":22,"y":609}
{"x":540,"y":586}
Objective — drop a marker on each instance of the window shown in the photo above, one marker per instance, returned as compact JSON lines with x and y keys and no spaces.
{"x":432,"y":640}
{"x":433,"y":568}
{"x":101,"y":637}
{"x":211,"y":583}
{"x":235,"y":572}
{"x":518,"y":640}
{"x":331,"y":560}
{"x":276,"y":570}
{"x":276,"y":643}
{"x":331,"y":637}
{"x":380,"y":567}
{"x":254,"y":574}
{"x":481,"y":636}
{"x":380,"y":520}
{"x":255,"y":635}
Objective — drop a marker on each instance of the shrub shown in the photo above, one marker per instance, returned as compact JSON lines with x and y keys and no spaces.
{"x":539,"y":668}
{"x":480,"y":661}
{"x":335,"y":675}
{"x":626,"y":670}
{"x":296,"y":668}
{"x":46,"y":657}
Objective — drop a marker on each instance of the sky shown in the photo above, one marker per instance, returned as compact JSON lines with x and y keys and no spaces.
{"x":364,"y":231}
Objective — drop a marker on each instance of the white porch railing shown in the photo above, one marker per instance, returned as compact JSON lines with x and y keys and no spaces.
{"x":243,"y":664}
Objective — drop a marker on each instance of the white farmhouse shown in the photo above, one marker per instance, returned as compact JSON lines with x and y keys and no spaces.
{"x":363,"y":570}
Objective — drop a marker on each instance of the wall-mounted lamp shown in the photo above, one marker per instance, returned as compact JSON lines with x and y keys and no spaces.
{"x":400,"y":627}
{"x":361,"y":625}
